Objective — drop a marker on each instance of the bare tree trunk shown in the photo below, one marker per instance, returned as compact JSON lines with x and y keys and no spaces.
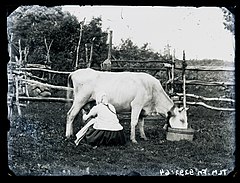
{"x":90,"y":59}
{"x":91,"y":52}
{"x":48,"y":55}
{"x":48,"y":50}
{"x":86,"y":53}
{"x":26,"y":52}
{"x":79,"y":41}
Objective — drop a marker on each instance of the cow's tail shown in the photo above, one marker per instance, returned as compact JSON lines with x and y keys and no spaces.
{"x":69,"y":88}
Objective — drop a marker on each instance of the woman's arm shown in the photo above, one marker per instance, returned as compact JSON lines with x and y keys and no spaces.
{"x":92,"y":113}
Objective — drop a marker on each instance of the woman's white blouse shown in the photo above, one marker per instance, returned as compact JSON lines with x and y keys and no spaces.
{"x":106,"y":119}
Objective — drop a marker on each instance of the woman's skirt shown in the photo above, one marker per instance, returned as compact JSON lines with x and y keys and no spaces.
{"x":96,"y":137}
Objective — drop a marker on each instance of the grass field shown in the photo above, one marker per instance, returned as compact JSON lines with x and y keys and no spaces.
{"x":37,"y":145}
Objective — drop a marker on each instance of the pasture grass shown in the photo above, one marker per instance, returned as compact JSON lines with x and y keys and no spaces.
{"x":37,"y":144}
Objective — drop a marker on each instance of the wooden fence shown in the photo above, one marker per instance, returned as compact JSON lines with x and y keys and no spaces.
{"x":205,"y":83}
{"x":19,"y":79}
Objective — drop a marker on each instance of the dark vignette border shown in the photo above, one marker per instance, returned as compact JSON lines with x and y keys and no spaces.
{"x":8,"y":7}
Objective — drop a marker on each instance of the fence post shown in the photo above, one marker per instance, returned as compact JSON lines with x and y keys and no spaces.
{"x":106,"y":64}
{"x":172,"y":72}
{"x":184,"y":65}
{"x":110,"y":45}
{"x":17,"y":96}
{"x":79,"y":42}
{"x":10,"y":80}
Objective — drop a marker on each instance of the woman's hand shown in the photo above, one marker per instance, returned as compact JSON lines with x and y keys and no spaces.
{"x":85,"y":117}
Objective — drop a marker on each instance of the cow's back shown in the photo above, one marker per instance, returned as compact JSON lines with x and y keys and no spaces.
{"x":122,"y":88}
{"x":82,"y":76}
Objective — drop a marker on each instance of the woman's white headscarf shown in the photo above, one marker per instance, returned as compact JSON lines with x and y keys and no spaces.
{"x":101,"y":97}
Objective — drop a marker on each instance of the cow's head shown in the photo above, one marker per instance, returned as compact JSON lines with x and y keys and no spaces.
{"x":178,"y":118}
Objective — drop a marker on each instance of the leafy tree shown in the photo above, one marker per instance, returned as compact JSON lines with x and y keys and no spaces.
{"x":229,"y":18}
{"x":93,"y":34}
{"x":127,"y":50}
{"x":52,"y":36}
{"x":37,"y":27}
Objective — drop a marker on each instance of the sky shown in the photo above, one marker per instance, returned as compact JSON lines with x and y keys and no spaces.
{"x":198,"y":31}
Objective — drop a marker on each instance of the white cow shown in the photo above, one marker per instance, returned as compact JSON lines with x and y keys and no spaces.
{"x":135,"y":92}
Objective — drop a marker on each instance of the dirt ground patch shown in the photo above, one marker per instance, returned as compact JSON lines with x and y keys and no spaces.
{"x":37,"y":146}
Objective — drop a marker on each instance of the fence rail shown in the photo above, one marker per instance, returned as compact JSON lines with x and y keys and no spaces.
{"x":205,"y":83}
{"x":208,"y":68}
{"x":168,"y":66}
{"x":207,"y":106}
{"x":48,"y":85}
{"x":207,"y":98}
{"x":45,"y":99}
{"x":45,"y":70}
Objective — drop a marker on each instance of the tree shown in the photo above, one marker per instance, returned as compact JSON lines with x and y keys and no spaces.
{"x":93,"y":36}
{"x":46,"y":32}
{"x":127,"y":50}
{"x":51,"y":37}
{"x":229,"y":18}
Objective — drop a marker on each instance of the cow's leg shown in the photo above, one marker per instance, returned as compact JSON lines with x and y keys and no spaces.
{"x":72,"y":113}
{"x":69,"y":128}
{"x":134,"y":120}
{"x":70,"y":118}
{"x":141,"y":128}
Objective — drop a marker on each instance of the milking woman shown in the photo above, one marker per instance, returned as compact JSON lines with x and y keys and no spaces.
{"x":103,"y":127}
